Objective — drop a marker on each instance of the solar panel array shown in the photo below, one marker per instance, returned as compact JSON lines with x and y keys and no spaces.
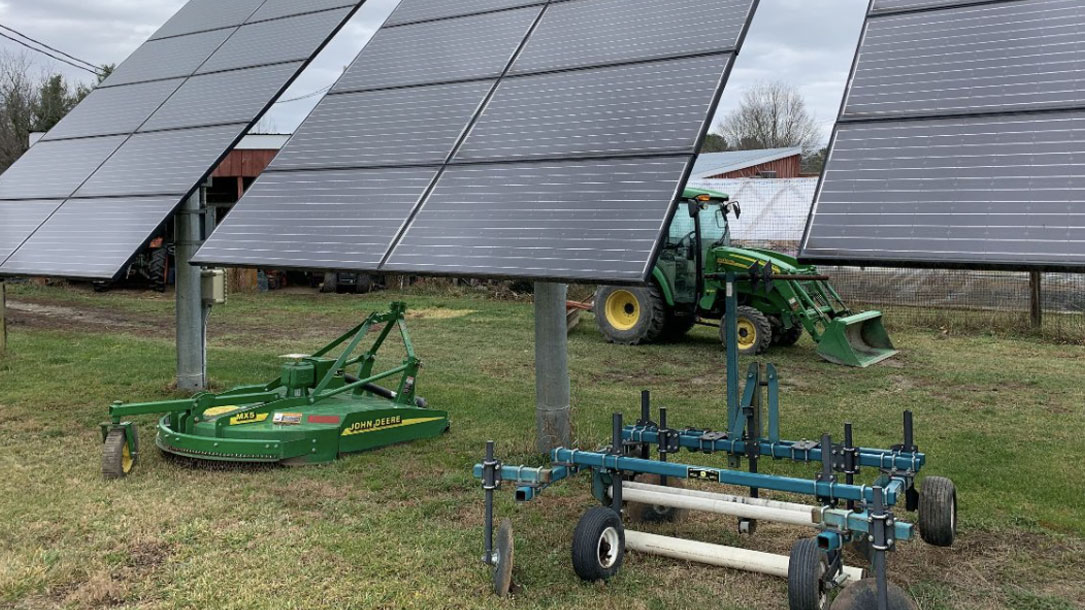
{"x":497,"y":138}
{"x":86,"y":197}
{"x":962,"y":139}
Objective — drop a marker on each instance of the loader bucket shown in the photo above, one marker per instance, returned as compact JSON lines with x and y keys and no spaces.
{"x":860,"y":340}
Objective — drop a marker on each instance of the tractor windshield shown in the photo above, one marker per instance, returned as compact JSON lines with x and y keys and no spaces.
{"x":712,"y":233}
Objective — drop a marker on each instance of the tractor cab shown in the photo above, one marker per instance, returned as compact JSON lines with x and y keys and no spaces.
{"x":700,"y":225}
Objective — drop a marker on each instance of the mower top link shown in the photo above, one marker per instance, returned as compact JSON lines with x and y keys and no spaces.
{"x":317,"y":409}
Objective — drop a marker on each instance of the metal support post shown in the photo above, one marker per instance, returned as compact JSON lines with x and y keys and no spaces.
{"x":1036,"y":299}
{"x":489,"y":484}
{"x":552,"y":392}
{"x":616,"y":449}
{"x":3,"y":317}
{"x":731,"y":322}
{"x":191,"y":322}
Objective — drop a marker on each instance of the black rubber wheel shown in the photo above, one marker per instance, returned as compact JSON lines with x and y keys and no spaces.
{"x":598,"y":545}
{"x":786,"y":337}
{"x":678,"y":327}
{"x":630,"y":315}
{"x":117,"y":459}
{"x":649,"y":513}
{"x":754,"y":332}
{"x":503,"y":547}
{"x":331,"y":283}
{"x":938,"y":511}
{"x":805,"y":568}
{"x":158,"y":269}
{"x":863,"y":595}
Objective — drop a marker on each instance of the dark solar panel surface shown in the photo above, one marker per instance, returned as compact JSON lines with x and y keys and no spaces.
{"x":567,"y":169}
{"x":961,"y":140}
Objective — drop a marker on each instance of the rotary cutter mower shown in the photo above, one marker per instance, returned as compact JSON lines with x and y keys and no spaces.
{"x":633,"y":486}
{"x":321,"y":406}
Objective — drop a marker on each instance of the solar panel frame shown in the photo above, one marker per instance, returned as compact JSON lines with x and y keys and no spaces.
{"x":212,"y":252}
{"x":214,"y":158}
{"x":1018,"y":260}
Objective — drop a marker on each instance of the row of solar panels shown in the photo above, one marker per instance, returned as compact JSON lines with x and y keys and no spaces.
{"x":553,"y":147}
{"x":81,"y":201}
{"x":962,"y":139}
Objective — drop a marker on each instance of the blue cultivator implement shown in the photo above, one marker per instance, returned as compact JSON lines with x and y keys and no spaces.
{"x":632,"y":486}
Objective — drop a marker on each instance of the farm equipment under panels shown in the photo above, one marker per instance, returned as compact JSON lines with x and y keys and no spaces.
{"x":321,"y":406}
{"x":778,"y":298}
{"x":632,"y":486}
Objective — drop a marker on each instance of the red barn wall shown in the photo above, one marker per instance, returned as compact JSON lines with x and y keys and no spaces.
{"x":790,"y":167}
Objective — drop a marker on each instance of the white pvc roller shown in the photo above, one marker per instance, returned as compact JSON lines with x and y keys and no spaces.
{"x":716,"y":555}
{"x":721,"y":504}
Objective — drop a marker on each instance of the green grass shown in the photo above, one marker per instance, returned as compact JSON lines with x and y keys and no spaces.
{"x":401,"y":527}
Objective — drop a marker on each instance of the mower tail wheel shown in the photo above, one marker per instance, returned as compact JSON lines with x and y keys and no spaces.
{"x":598,"y":545}
{"x":805,"y":569}
{"x":938,"y":511}
{"x":117,"y":458}
{"x":504,"y":560}
{"x":863,"y":595}
{"x":650,"y":513}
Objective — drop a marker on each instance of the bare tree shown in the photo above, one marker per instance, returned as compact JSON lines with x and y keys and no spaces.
{"x":18,"y":98}
{"x":772,"y":115}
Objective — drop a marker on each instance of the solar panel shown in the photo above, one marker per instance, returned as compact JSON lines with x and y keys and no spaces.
{"x":549,"y":141}
{"x":960,"y":140}
{"x":154,"y":130}
{"x":19,"y":219}
{"x":90,"y":238}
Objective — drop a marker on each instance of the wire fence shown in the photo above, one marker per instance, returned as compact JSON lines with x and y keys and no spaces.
{"x":774,"y":217}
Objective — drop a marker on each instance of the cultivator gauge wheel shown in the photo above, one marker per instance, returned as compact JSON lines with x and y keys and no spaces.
{"x":503,"y":559}
{"x":117,"y":457}
{"x":598,"y":545}
{"x":938,"y":511}
{"x":806,"y":570}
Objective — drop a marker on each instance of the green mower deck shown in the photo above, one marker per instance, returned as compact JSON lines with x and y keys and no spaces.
{"x":318,"y":409}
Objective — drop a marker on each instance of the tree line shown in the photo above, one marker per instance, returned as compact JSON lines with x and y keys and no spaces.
{"x":32,"y":99}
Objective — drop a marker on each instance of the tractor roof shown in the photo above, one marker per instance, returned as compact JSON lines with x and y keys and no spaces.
{"x":693,"y":193}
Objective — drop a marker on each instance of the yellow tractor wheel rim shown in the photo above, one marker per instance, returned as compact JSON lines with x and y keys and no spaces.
{"x":126,"y":459}
{"x":747,"y":334}
{"x":622,"y":310}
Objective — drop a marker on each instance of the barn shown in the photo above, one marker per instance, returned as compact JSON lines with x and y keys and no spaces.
{"x":765,"y":163}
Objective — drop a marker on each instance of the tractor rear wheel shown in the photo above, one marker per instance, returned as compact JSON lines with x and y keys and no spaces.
{"x":754,"y":332}
{"x":630,"y":315}
{"x":158,"y":269}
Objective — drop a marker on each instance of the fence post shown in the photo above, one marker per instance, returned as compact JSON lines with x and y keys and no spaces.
{"x":1036,"y":299}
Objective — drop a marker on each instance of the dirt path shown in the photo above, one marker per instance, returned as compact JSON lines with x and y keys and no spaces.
{"x":51,"y":316}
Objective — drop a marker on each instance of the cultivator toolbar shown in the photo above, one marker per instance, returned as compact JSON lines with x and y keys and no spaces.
{"x":631,"y":483}
{"x":321,"y":406}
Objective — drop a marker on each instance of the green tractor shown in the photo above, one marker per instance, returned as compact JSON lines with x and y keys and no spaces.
{"x":779,"y":299}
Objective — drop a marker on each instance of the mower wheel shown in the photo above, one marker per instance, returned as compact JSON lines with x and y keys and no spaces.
{"x":938,"y":511}
{"x":754,"y":332}
{"x":805,"y":569}
{"x":649,"y":513}
{"x":630,"y":315}
{"x":598,"y":545}
{"x":864,"y":595}
{"x":117,"y":458}
{"x":503,"y":548}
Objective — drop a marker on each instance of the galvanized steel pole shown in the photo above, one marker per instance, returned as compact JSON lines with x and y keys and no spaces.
{"x":191,"y":323}
{"x":3,"y":317}
{"x":552,"y":391}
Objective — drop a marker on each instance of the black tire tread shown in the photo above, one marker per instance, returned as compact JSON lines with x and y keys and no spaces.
{"x":863,"y":595}
{"x":113,"y":455}
{"x":585,"y":540}
{"x":158,"y":268}
{"x":937,"y":511}
{"x":804,"y":575}
{"x":655,"y":309}
{"x":764,"y":330}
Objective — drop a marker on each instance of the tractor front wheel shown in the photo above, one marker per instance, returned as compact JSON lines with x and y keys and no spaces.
{"x":117,"y":458}
{"x":754,"y":332}
{"x":630,"y":315}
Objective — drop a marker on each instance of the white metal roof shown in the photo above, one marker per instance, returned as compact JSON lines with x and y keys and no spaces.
{"x":714,"y":164}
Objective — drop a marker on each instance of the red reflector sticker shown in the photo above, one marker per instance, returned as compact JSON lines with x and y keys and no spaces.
{"x":324,"y":419}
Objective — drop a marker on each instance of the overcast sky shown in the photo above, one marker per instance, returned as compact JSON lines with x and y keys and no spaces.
{"x":808,"y":43}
